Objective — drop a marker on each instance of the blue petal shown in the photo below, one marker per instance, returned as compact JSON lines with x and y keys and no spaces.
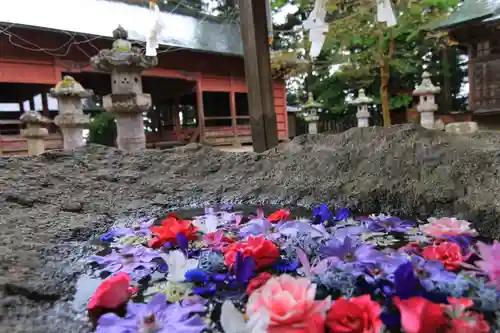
{"x":182,"y":241}
{"x":342,"y":214}
{"x":196,"y":275}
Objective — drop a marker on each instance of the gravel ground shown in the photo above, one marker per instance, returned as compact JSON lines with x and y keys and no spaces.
{"x":52,"y":204}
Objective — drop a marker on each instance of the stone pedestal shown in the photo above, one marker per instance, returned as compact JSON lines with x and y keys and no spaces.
{"x":71,"y":119}
{"x":126,"y":101}
{"x":362,"y":102}
{"x":427,"y":105}
{"x":35,"y":131}
{"x":466,"y":127}
{"x":312,"y":123}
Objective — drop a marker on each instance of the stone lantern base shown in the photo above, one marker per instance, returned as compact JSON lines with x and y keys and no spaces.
{"x":427,"y":119}
{"x":72,"y":125}
{"x":128,"y":109}
{"x":35,"y":139}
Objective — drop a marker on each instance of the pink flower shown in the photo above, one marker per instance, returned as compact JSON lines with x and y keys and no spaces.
{"x":462,"y":321}
{"x":419,"y":315}
{"x":447,"y":226}
{"x":290,"y":304}
{"x":490,"y":261}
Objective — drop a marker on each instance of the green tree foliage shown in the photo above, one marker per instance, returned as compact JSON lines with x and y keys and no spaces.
{"x":356,"y":47}
{"x":102,"y":129}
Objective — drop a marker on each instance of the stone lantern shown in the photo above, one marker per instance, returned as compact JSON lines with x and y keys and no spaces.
{"x":35,"y":131}
{"x":362,"y":102}
{"x":71,"y":120}
{"x":426,"y":104}
{"x":310,"y":110}
{"x":126,"y":101}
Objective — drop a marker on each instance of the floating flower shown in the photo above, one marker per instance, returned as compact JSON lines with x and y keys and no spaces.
{"x":136,"y":261}
{"x":386,"y":223}
{"x":112,"y":292}
{"x":156,"y":316}
{"x":233,"y":321}
{"x":278,"y":216}
{"x":448,"y":253}
{"x":211,"y":221}
{"x":464,"y":321}
{"x":216,"y":240}
{"x":263,"y":251}
{"x":322,"y":214}
{"x":174,"y":291}
{"x":178,"y":265}
{"x":429,"y":272}
{"x":447,"y":226}
{"x":349,"y":251}
{"x":419,"y":315}
{"x":258,"y":282}
{"x":490,"y":261}
{"x":357,"y":314}
{"x":170,"y":227}
{"x":291,"y":305}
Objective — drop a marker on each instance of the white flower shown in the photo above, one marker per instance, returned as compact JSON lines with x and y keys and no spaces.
{"x":233,"y":321}
{"x":178,"y":265}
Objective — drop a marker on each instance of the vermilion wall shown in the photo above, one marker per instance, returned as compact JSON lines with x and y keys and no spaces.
{"x":23,"y":63}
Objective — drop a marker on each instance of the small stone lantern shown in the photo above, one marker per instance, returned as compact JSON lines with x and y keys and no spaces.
{"x":126,"y":101}
{"x":35,"y":131}
{"x":71,"y":119}
{"x":310,"y":110}
{"x":362,"y":102}
{"x":426,"y":104}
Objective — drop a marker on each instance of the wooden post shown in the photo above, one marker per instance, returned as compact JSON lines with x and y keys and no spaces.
{"x":232,"y":106}
{"x":177,"y":120}
{"x":199,"y":109}
{"x":254,"y":33}
{"x":32,"y":104}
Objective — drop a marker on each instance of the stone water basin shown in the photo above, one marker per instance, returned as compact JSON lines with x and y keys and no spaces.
{"x":229,"y":253}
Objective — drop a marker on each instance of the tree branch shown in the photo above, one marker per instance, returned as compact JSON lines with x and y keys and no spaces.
{"x":392,"y":45}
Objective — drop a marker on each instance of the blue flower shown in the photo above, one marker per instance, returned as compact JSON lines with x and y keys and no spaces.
{"x":322,"y":214}
{"x":430,"y":272}
{"x":196,"y":276}
{"x":285,"y":266}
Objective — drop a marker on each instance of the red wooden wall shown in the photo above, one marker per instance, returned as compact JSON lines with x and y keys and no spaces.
{"x":214,"y":72}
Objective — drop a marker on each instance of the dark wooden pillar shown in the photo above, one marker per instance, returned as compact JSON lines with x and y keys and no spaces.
{"x":232,"y":106}
{"x":200,"y":111}
{"x":32,"y":104}
{"x":254,"y":33}
{"x":45,"y":105}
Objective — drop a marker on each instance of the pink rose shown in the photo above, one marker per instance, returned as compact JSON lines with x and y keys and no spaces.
{"x":448,"y":253}
{"x":112,"y":292}
{"x":355,"y":315}
{"x":447,"y":226}
{"x":290,"y":304}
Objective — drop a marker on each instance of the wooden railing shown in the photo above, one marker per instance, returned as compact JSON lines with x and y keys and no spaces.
{"x":12,"y":145}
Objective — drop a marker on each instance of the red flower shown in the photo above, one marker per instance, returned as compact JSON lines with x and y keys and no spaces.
{"x":419,"y":315}
{"x":263,"y":251}
{"x":448,"y":253}
{"x":279,"y":215}
{"x":258,"y":282}
{"x":168,"y":230}
{"x":464,"y":321}
{"x":355,"y":315}
{"x":214,"y":237}
{"x":112,"y":292}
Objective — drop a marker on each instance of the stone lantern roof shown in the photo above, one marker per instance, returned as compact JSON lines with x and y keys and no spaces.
{"x":426,"y":87}
{"x":122,"y":54}
{"x":311,"y":104}
{"x":32,"y":117}
{"x":69,"y":87}
{"x":362,"y":98}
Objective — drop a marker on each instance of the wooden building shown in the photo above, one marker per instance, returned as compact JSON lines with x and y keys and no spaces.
{"x":198,"y":88}
{"x":475,"y":26}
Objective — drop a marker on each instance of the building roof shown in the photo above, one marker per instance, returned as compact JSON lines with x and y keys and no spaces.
{"x":101,"y":17}
{"x":472,"y":10}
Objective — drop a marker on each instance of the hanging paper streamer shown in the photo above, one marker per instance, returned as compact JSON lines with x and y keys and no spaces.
{"x":152,"y":40}
{"x":385,"y":13}
{"x":317,"y":27}
{"x":270,"y":32}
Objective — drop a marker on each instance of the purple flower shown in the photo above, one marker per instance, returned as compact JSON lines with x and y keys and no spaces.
{"x":157,"y":316}
{"x":384,"y":223}
{"x":348,"y":252}
{"x":384,"y":268}
{"x":256,"y":227}
{"x":322,"y":214}
{"x":133,"y":260}
{"x":429,"y":272}
{"x":141,"y":230}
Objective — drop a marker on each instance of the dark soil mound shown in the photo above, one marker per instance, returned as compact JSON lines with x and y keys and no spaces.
{"x":52,"y":204}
